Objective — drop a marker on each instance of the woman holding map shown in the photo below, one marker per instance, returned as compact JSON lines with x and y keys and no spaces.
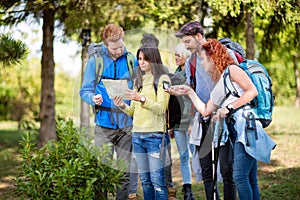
{"x":148,"y":107}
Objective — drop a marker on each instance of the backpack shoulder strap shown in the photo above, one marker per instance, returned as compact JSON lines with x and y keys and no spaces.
{"x":229,"y":87}
{"x":192,"y":63}
{"x":99,"y":65}
{"x":155,"y":84}
{"x":95,"y":50}
{"x":130,"y":63}
{"x":156,"y":81}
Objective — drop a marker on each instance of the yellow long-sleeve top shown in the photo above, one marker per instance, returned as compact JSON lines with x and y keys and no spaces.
{"x":150,"y":116}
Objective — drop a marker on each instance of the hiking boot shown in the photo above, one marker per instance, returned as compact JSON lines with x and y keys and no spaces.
{"x":172,"y":193}
{"x":187,"y":190}
{"x":133,"y":196}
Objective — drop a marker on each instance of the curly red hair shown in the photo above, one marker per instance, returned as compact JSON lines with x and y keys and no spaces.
{"x":219,"y":55}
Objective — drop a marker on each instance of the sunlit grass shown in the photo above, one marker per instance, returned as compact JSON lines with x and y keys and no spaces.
{"x":277,"y":180}
{"x":8,"y":125}
{"x":286,"y":120}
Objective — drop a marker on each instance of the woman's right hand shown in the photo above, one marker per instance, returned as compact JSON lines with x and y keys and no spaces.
{"x":118,"y":101}
{"x":179,"y":90}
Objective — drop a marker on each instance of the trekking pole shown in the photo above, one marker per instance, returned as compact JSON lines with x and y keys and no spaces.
{"x":213,"y":170}
{"x":215,"y":153}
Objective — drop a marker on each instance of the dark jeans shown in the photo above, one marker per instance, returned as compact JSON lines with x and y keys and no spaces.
{"x":226,"y":168}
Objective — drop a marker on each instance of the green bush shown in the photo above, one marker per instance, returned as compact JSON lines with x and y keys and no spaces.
{"x":70,"y":168}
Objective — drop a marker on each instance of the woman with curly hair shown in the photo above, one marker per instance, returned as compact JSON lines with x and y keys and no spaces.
{"x":215,"y":59}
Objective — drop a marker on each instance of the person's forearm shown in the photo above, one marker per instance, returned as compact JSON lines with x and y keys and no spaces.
{"x":248,"y":96}
{"x":204,"y":109}
{"x":199,"y":105}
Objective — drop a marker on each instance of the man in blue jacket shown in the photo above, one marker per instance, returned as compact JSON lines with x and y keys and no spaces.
{"x":112,"y":125}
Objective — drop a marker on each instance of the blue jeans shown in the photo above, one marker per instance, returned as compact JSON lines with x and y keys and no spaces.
{"x":150,"y":161}
{"x":245,"y":173}
{"x":182,"y":142}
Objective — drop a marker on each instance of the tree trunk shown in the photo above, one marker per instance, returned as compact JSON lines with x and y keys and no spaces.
{"x":296,"y":71}
{"x":85,"y":108}
{"x":200,"y":12}
{"x":47,"y":104}
{"x":250,"y":37}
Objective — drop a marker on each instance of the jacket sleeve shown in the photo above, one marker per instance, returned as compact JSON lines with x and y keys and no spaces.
{"x":87,"y":89}
{"x":129,"y":109}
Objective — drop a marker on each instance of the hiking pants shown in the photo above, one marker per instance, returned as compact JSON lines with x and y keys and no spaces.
{"x":121,"y":140}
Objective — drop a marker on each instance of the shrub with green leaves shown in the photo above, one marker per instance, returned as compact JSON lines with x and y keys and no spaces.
{"x":70,"y":168}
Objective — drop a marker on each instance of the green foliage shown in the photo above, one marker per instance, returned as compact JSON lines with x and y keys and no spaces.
{"x":173,"y":14}
{"x":284,"y":85}
{"x":264,"y":8}
{"x":127,"y":13}
{"x":63,"y":95}
{"x":11,"y":51}
{"x":20,"y":92}
{"x":70,"y":168}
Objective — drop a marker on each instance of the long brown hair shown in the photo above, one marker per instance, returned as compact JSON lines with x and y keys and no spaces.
{"x":219,"y":55}
{"x":152,"y":55}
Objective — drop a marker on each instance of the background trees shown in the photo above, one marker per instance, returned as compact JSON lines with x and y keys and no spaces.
{"x":269,"y":31}
{"x":11,"y":52}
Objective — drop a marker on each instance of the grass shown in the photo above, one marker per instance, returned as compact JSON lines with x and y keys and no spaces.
{"x":277,"y":180}
{"x":9,"y":160}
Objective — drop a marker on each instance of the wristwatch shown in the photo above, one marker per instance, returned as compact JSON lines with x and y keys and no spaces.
{"x":229,"y":108}
{"x":143,"y":99}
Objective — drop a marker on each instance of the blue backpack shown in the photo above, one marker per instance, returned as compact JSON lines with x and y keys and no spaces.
{"x":263,"y":103}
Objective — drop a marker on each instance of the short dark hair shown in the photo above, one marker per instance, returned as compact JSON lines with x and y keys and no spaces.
{"x":190,"y":28}
{"x":150,"y":40}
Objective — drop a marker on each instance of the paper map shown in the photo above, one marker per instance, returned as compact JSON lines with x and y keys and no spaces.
{"x":116,"y":88}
